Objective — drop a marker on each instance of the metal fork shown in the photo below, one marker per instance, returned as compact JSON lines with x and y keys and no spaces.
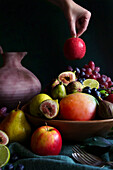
{"x":83,"y":157}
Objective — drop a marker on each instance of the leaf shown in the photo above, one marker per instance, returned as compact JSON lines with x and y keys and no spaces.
{"x":97,"y":141}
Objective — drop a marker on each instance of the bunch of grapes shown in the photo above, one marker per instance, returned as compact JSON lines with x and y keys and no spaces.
{"x":3,"y":113}
{"x":90,"y":71}
{"x":13,"y":158}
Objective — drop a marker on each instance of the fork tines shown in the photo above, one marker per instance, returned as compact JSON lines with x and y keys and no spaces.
{"x":83,"y":157}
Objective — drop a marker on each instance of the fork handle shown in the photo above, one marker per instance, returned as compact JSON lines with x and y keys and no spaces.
{"x":110,"y":163}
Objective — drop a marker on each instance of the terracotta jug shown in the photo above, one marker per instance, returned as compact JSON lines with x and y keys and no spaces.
{"x":17,"y":84}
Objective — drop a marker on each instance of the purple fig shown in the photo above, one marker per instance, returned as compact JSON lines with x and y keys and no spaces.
{"x":105,"y":109}
{"x":74,"y":86}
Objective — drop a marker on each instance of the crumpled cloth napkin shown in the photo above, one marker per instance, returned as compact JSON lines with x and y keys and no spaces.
{"x":62,"y":161}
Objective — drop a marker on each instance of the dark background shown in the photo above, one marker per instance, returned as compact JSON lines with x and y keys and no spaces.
{"x":40,"y":28}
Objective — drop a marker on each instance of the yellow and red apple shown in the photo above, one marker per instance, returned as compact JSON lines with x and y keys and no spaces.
{"x":46,"y":140}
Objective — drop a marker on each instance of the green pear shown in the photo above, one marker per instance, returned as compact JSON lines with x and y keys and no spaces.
{"x":59,"y":91}
{"x":16,"y":126}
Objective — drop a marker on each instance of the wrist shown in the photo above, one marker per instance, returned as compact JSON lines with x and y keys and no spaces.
{"x":66,"y":3}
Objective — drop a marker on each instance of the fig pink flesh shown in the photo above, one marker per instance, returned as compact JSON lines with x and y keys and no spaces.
{"x":48,"y":108}
{"x":3,"y":138}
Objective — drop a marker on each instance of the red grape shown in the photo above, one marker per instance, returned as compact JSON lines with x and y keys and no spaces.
{"x":92,"y":76}
{"x":110,"y":83}
{"x":105,"y":84}
{"x":103,"y":78}
{"x":91,"y":65}
{"x":88,"y":71}
{"x":98,"y":76}
{"x":86,"y":66}
{"x":95,"y":73}
{"x":108,"y":79}
{"x":97,"y":69}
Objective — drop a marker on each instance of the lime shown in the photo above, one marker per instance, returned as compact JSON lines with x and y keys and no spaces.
{"x":92,"y":83}
{"x":36,"y":101}
{"x":4,"y":155}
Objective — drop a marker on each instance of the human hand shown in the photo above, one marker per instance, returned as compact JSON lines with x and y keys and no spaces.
{"x":77,"y":16}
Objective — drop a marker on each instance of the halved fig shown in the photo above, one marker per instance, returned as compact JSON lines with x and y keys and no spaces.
{"x":67,"y":77}
{"x":4,"y":139}
{"x":49,"y":108}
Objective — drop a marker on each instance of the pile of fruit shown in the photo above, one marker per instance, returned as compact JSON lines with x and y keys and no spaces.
{"x":76,"y":94}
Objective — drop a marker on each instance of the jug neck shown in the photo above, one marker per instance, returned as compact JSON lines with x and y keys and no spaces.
{"x":13,"y":59}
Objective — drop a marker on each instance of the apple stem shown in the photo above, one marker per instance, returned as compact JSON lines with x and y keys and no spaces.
{"x":75,"y":71}
{"x":46,"y":126}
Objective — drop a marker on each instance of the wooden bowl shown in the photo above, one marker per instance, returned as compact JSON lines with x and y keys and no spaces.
{"x":73,"y":130}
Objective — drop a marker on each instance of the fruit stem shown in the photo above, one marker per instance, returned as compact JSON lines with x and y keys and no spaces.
{"x":18,"y":105}
{"x":61,"y":83}
{"x":74,"y":72}
{"x":46,"y":126}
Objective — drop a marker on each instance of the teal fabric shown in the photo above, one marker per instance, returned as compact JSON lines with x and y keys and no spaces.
{"x":62,"y":161}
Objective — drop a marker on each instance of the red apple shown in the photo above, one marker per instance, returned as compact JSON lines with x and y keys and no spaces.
{"x":74,"y":48}
{"x":46,"y":140}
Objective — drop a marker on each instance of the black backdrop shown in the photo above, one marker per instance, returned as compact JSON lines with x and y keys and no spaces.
{"x":40,"y":28}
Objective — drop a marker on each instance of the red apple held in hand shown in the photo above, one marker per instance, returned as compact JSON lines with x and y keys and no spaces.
{"x":74,"y":48}
{"x":46,"y":140}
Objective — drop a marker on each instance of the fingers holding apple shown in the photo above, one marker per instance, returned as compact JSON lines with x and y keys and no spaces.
{"x":46,"y":140}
